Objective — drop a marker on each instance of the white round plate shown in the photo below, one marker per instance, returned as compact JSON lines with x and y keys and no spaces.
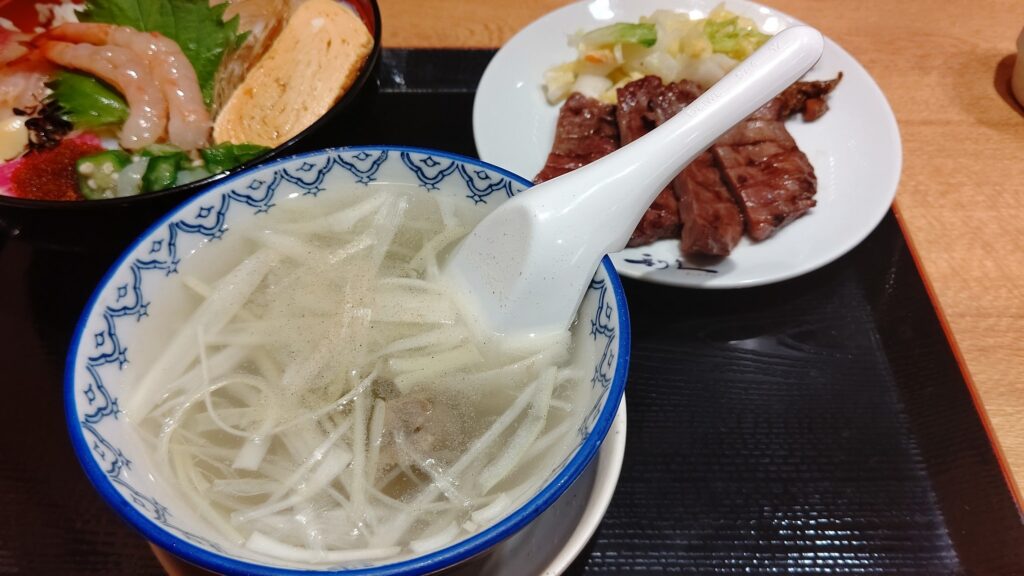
{"x":854,"y":148}
{"x":550,"y":544}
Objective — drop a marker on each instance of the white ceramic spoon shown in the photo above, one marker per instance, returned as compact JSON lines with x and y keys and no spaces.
{"x":527,"y":264}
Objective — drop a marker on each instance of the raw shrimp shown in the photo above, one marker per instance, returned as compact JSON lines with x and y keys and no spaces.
{"x":189,"y":122}
{"x":12,"y":46}
{"x":23,"y":81}
{"x":126,"y":71}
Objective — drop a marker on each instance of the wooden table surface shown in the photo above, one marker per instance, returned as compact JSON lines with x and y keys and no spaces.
{"x":944,"y":67}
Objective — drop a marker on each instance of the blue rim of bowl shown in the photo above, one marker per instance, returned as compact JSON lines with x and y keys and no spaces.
{"x":426,"y":564}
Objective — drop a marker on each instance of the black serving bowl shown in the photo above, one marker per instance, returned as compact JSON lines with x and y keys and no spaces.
{"x":74,"y":225}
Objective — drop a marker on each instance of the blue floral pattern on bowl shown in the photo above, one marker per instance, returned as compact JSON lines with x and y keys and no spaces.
{"x":102,"y":348}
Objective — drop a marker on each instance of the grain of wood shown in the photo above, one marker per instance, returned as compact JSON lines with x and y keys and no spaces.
{"x":943,"y":67}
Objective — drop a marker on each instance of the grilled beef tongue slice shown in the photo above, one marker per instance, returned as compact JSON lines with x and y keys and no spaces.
{"x":586,"y":131}
{"x":770,"y":178}
{"x":754,"y":176}
{"x":807,"y":98}
{"x":643,"y":105}
{"x":711,"y":221}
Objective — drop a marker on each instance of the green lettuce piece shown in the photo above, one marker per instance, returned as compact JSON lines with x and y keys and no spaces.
{"x":86,"y":102}
{"x":729,"y":37}
{"x":227,"y":156}
{"x":198,"y":28}
{"x":622,"y":33}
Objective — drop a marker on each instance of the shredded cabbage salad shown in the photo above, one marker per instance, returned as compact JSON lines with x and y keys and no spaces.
{"x":670,"y":45}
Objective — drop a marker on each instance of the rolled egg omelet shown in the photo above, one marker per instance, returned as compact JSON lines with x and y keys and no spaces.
{"x":310,"y":65}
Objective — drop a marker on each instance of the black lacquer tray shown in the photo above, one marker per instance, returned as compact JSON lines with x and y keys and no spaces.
{"x":821,"y":425}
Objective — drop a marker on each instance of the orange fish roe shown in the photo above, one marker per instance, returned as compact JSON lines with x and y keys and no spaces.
{"x":51,"y":174}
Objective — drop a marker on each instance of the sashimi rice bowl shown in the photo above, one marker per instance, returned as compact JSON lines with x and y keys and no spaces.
{"x":275,"y":378}
{"x":107,"y":100}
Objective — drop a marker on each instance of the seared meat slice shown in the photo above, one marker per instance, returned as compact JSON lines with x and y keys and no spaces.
{"x":807,"y":98}
{"x":711,"y":221}
{"x":586,"y":131}
{"x":647,"y":103}
{"x":754,"y":131}
{"x":712,"y":224}
{"x":773,"y":182}
{"x":643,"y":105}
{"x":754,"y":176}
{"x":634,"y":115}
{"x":673,"y":98}
{"x":660,"y":221}
{"x":770,"y":178}
{"x":635,"y":119}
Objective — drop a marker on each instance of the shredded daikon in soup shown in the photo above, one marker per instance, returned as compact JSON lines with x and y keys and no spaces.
{"x":327,"y":400}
